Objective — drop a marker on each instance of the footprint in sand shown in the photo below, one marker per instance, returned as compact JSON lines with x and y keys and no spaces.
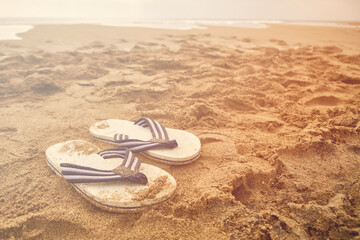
{"x":247,"y":40}
{"x":46,"y":87}
{"x":355,"y":149}
{"x":216,"y":145}
{"x":212,"y":143}
{"x":39,"y":227}
{"x":243,"y":149}
{"x":349,"y":80}
{"x":238,"y":104}
{"x":96,"y":44}
{"x":117,"y":83}
{"x":206,"y":138}
{"x":349,"y":59}
{"x":327,"y":49}
{"x":324,"y":101}
{"x":296,"y":83}
{"x":247,"y":189}
{"x":279,"y":42}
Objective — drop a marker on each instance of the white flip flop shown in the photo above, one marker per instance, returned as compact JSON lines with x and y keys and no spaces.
{"x":150,"y":139}
{"x":101,"y":179}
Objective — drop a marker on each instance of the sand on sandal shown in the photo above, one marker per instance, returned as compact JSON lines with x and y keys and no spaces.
{"x":276,"y":110}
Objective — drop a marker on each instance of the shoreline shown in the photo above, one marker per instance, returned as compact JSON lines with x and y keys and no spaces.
{"x":49,"y":37}
{"x":11,"y":29}
{"x":10,"y":32}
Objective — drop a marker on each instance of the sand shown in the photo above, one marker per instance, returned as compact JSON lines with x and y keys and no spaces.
{"x":276,"y":110}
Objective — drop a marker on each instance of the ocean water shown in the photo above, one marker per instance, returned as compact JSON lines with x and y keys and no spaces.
{"x":8,"y":32}
{"x":9,"y":27}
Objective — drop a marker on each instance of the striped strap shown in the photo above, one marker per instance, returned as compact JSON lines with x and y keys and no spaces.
{"x":158,"y":131}
{"x":136,"y":145}
{"x":113,"y":153}
{"x":130,"y":166}
{"x":159,"y":134}
{"x":129,"y":169}
{"x":130,"y":161}
{"x":120,"y":137}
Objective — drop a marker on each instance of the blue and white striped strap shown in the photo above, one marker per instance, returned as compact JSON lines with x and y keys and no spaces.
{"x":120,"y":137}
{"x":158,"y":131}
{"x":129,"y":166}
{"x":136,"y":145}
{"x":113,"y":153}
{"x":129,"y":169}
{"x":159,"y":134}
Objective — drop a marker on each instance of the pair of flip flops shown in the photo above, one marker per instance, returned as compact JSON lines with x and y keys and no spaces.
{"x":115,"y":179}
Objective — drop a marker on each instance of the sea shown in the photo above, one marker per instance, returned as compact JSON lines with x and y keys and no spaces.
{"x":10,"y":27}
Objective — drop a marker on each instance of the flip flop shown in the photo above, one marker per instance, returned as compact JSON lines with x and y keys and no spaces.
{"x":113,"y":180}
{"x":150,"y":139}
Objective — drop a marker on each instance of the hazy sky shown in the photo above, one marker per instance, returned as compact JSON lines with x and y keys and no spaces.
{"x":346,"y":10}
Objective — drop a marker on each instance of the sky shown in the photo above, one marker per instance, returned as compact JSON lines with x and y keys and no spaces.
{"x":318,"y":10}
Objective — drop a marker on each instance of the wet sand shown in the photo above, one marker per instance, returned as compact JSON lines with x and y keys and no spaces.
{"x":276,"y":110}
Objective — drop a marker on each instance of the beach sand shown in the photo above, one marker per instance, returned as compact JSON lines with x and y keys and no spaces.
{"x":276,"y":110}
